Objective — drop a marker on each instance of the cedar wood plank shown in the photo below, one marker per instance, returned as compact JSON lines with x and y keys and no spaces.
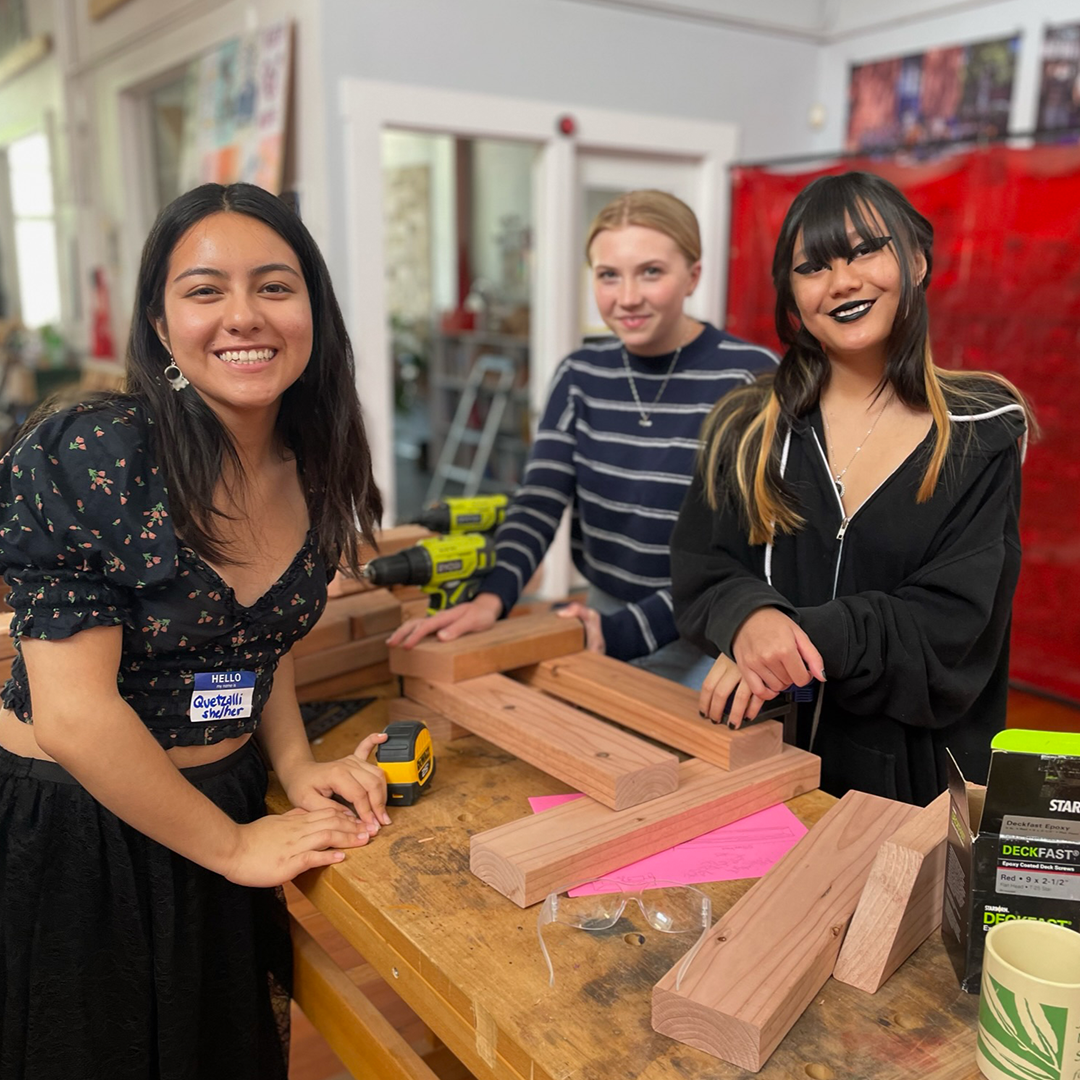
{"x":510,"y":643}
{"x":441,"y":727}
{"x":652,"y":706}
{"x":769,"y":955}
{"x":901,"y":904}
{"x":351,"y":656}
{"x":613,"y":767}
{"x":526,"y":859}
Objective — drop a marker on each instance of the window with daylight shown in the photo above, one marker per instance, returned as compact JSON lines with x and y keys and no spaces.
{"x":34,"y":219}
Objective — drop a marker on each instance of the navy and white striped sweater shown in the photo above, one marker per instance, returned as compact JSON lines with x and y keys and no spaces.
{"x":623,"y":482}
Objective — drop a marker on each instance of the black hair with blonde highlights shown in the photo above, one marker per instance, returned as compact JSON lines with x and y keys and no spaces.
{"x":742,"y":434}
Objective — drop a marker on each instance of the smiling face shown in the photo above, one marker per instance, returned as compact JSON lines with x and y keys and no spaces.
{"x":237,"y":316}
{"x":850,"y":302}
{"x":641,"y":279}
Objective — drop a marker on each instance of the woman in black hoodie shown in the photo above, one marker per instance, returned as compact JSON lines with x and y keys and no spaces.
{"x":854,"y":517}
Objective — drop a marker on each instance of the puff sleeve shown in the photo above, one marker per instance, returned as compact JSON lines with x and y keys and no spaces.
{"x":83,"y":521}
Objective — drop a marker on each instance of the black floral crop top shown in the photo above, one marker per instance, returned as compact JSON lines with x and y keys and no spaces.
{"x":86,"y":540}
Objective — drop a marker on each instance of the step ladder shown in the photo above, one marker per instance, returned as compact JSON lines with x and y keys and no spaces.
{"x":504,"y":372}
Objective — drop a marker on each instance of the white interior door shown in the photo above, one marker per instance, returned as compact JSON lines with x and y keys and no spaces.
{"x":637,"y":147}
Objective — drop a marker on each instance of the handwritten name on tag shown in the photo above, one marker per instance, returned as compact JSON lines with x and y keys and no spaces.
{"x":222,"y":695}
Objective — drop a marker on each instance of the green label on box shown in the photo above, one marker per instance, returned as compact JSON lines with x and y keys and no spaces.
{"x":1055,"y":743}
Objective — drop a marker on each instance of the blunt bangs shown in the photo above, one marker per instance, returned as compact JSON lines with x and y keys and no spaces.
{"x":824,"y":224}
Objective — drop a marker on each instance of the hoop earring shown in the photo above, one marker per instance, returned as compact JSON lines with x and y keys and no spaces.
{"x":174,"y":376}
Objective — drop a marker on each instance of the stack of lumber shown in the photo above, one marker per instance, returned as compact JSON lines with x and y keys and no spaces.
{"x":413,"y":600}
{"x":346,"y":650}
{"x":641,"y":800}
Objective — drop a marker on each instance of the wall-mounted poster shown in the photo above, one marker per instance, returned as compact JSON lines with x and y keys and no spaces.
{"x":960,"y":92}
{"x":236,"y":118}
{"x":1059,"y":95}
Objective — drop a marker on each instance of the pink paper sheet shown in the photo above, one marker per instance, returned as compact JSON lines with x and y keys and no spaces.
{"x":743,"y":849}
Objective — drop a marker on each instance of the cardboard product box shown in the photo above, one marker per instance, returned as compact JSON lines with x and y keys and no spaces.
{"x":1014,"y":847}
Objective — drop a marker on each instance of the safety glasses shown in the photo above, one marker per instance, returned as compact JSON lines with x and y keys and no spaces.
{"x":668,"y":907}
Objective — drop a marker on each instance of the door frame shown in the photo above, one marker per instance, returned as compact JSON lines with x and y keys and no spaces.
{"x":368,"y":107}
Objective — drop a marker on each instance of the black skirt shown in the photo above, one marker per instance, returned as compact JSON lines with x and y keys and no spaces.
{"x":120,"y":959}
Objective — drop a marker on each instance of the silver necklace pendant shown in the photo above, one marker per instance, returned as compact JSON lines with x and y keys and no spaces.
{"x":839,"y":485}
{"x":644,"y":422}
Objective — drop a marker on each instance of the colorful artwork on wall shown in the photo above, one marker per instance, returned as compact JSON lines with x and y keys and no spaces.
{"x":1059,"y":93}
{"x":237,"y":112}
{"x":959,"y":92}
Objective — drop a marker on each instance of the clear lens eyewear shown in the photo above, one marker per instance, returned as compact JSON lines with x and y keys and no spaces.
{"x":667,"y":907}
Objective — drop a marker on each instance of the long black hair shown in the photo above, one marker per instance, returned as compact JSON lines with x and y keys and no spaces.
{"x":319,"y":419}
{"x":742,"y":432}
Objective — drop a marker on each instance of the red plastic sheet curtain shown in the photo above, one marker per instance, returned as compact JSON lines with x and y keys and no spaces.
{"x":1005,"y":296}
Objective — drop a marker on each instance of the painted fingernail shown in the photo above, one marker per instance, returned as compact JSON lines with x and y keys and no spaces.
{"x":704,"y":716}
{"x":731,"y":725}
{"x":711,"y":720}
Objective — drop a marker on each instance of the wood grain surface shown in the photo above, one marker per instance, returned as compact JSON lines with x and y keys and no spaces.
{"x":526,"y":859}
{"x":766,"y":959}
{"x":900,"y":906}
{"x":510,"y":643}
{"x":653,"y":706}
{"x":466,"y":958}
{"x":616,"y":769}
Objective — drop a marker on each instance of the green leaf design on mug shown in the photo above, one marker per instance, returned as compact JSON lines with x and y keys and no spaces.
{"x":1023,"y":1038}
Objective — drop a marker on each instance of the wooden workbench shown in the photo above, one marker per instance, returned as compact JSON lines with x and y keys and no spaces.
{"x":466,"y":959}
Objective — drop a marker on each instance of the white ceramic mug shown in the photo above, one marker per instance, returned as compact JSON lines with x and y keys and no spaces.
{"x":1029,"y":1010}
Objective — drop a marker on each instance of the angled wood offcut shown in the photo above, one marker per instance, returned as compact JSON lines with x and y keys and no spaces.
{"x":526,"y":859}
{"x":768,"y":956}
{"x":901,"y":904}
{"x":508,"y":644}
{"x":613,"y":767}
{"x":652,"y":706}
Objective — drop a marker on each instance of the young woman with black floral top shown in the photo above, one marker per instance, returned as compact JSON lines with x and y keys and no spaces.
{"x":165,"y":548}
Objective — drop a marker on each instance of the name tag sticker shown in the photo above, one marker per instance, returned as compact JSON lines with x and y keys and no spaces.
{"x":222,"y":695}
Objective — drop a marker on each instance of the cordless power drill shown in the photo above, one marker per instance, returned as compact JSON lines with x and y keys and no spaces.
{"x":447,"y":568}
{"x":478,"y":514}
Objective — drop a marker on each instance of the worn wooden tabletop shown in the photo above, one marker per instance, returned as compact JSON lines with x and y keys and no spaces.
{"x":467,"y":959}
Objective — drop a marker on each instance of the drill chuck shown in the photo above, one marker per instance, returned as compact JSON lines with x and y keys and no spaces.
{"x":409,"y":567}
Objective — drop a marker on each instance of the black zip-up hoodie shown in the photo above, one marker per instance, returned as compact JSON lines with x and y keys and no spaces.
{"x":908,"y":603}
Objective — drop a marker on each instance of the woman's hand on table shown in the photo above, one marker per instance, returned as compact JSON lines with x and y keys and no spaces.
{"x":469,"y":618}
{"x":594,"y":634}
{"x":274,"y":849}
{"x":773,"y":652}
{"x":725,"y":681}
{"x":313,"y":785}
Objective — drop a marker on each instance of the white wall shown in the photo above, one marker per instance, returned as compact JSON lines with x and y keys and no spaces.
{"x":583,"y":54}
{"x":949,"y":24}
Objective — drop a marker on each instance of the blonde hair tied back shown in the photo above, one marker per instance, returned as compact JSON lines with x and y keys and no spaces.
{"x":650,"y":209}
